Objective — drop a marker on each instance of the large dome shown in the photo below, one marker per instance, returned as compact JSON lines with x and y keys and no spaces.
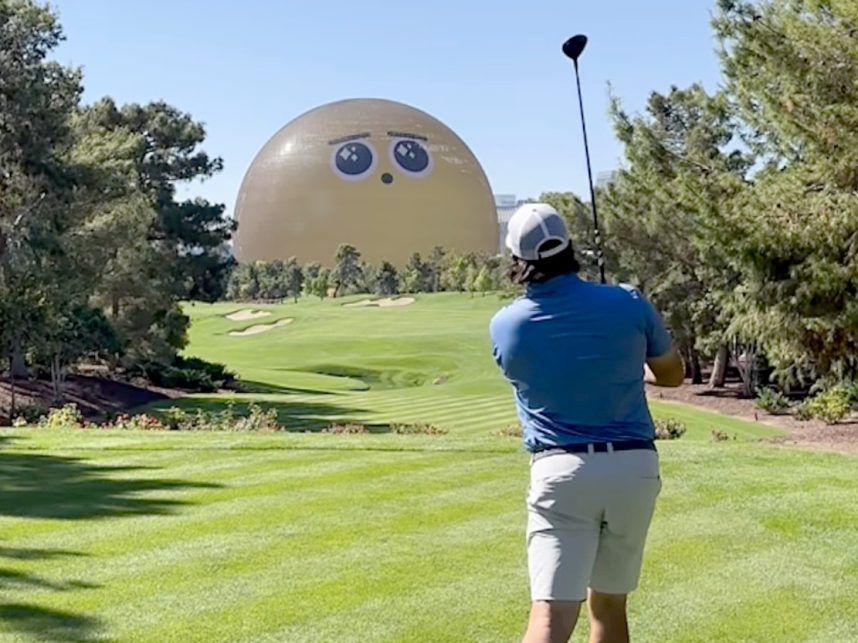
{"x":382,"y":176}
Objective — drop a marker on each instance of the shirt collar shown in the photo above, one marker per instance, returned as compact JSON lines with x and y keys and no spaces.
{"x":555,"y":285}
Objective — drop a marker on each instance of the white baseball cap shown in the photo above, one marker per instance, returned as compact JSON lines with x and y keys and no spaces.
{"x":531,"y":226}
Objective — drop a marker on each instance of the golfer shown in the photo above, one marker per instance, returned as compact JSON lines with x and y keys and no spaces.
{"x":575,"y":354}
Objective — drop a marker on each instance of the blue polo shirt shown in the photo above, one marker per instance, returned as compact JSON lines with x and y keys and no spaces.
{"x":574,"y":352}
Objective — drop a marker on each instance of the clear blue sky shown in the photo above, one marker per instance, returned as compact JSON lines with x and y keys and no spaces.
{"x":491,"y":70}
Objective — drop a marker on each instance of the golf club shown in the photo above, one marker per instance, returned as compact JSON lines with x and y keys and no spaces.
{"x":573,"y":49}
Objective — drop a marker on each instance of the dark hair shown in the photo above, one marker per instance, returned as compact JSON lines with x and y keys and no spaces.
{"x":526,"y":271}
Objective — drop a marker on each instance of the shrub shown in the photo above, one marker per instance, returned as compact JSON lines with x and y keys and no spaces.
{"x":802,"y":411}
{"x":831,"y":406}
{"x":419,"y":428}
{"x":669,"y":429}
{"x":218,"y":373}
{"x":852,"y":392}
{"x":138,"y":422}
{"x":257,"y":419}
{"x":720,"y":436}
{"x":176,"y":419}
{"x":29,"y":414}
{"x":771,"y":400}
{"x":65,"y":417}
{"x":184,"y":378}
{"x":349,"y":429}
{"x":190,"y":373}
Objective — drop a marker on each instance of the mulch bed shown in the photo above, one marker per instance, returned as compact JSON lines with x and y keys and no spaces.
{"x":812,"y":434}
{"x":96,"y":397}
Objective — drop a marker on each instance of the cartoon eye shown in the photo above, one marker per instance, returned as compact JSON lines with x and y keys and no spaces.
{"x":354,"y":160}
{"x":411,"y":157}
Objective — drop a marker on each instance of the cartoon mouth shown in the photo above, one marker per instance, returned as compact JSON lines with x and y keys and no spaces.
{"x":387,"y":178}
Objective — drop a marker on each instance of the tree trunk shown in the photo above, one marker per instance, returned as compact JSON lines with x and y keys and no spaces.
{"x":719,"y":369}
{"x":57,"y":378}
{"x":685,"y":351}
{"x":11,"y":392}
{"x":746,"y":358}
{"x":696,"y":372}
{"x":18,"y":365}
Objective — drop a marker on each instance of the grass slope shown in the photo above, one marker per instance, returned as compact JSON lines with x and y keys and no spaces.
{"x":428,"y":362}
{"x":309,"y":537}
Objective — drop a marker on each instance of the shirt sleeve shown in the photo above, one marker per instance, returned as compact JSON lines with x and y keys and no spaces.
{"x":658,"y":341}
{"x":496,"y":337}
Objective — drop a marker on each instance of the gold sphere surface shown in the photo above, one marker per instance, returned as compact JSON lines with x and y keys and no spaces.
{"x":383,"y":176}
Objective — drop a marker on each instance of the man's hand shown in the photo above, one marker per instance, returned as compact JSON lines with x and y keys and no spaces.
{"x":666,"y":370}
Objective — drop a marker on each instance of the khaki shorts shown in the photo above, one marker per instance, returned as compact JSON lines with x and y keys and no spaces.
{"x":588,"y":516}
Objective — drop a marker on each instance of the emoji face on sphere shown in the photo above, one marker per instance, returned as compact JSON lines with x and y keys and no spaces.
{"x":385,"y":177}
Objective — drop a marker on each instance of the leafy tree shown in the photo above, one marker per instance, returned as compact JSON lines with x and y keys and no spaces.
{"x":368,"y":280}
{"x":311,"y":270}
{"x":244,"y":284}
{"x":71,"y":332}
{"x":388,"y":279}
{"x":347,"y":270}
{"x":37,"y":98}
{"x":271,"y":277}
{"x":483,"y":280}
{"x":183,"y":252}
{"x":665,"y":215}
{"x":417,"y":276}
{"x":471,"y":275}
{"x":435,"y":267}
{"x":320,"y":284}
{"x":294,"y":279}
{"x":792,"y":70}
{"x":455,"y":275}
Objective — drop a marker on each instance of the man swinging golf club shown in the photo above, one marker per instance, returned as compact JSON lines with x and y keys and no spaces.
{"x":575,"y":354}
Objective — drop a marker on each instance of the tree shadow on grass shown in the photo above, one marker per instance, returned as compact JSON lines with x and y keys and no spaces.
{"x":37,"y":622}
{"x":11,"y":579}
{"x":22,"y":553}
{"x":35,"y":485}
{"x":251,"y":386}
{"x":43,"y":624}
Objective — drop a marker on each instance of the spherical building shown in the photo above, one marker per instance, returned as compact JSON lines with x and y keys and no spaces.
{"x":385,"y":177}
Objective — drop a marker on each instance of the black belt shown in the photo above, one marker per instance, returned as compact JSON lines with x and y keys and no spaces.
{"x":596,"y":447}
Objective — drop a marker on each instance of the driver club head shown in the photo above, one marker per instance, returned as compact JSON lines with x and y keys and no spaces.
{"x":574,"y":46}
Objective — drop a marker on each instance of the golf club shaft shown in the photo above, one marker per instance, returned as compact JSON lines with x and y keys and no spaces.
{"x":600,"y":259}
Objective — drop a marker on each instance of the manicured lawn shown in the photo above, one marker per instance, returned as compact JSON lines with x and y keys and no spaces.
{"x":313,"y":537}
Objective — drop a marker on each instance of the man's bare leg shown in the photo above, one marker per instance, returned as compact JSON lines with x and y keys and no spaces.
{"x":551,"y":621}
{"x":608,"y":622}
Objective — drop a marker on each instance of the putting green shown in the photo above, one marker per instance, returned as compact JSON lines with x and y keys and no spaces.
{"x":317,"y":537}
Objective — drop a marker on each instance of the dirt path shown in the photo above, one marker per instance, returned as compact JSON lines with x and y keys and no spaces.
{"x":812,"y":434}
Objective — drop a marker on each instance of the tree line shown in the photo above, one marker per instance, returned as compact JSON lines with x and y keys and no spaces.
{"x":440,"y":271}
{"x":96,"y":248}
{"x":737,"y":211}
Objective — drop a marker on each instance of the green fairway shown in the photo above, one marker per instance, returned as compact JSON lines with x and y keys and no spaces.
{"x":428,"y":362}
{"x":305,"y":536}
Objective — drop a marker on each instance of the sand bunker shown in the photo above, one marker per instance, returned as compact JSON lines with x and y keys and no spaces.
{"x":382,"y":303}
{"x":260,"y":328}
{"x":247,"y":314}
